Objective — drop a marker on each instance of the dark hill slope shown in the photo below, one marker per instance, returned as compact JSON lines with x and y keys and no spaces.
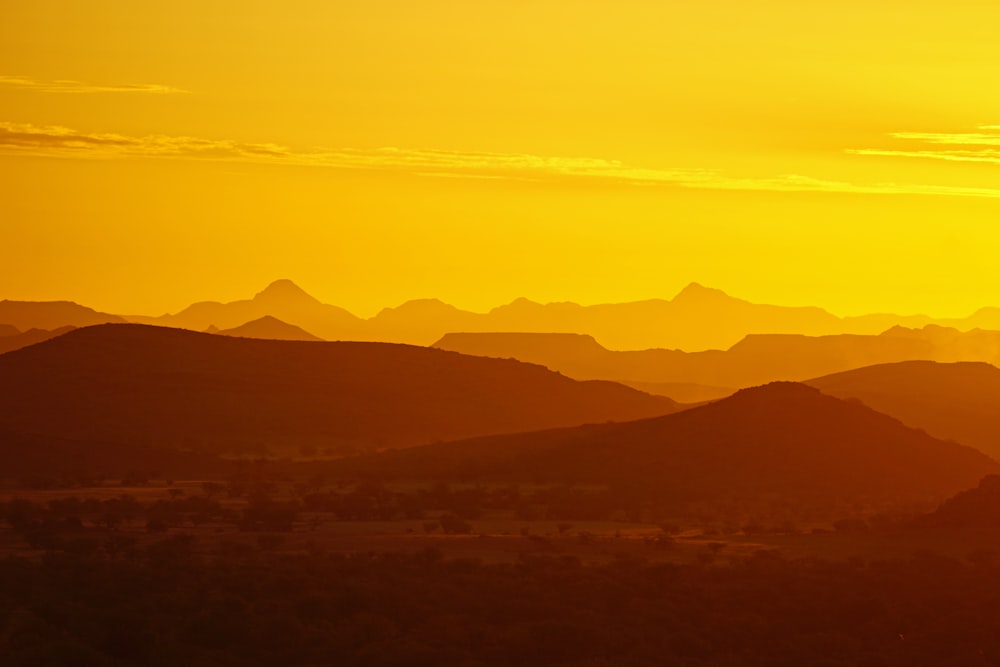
{"x":972,"y":512}
{"x":29,"y":337}
{"x":161,"y":386}
{"x":957,"y":401}
{"x":783,"y":439}
{"x":269,"y":328}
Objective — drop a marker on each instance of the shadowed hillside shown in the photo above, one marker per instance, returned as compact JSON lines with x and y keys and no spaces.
{"x":269,"y":328}
{"x":784,"y":440}
{"x":161,"y":386}
{"x":29,"y":337}
{"x":974,"y":511}
{"x":956,"y":401}
{"x":49,"y":459}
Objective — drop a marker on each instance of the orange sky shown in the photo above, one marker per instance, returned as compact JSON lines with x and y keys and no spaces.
{"x":844,"y":154}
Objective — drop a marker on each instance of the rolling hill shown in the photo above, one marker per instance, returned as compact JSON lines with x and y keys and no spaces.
{"x":955,"y":401}
{"x":782,"y":440}
{"x":268,"y":328}
{"x":29,"y":337}
{"x":159,"y":386}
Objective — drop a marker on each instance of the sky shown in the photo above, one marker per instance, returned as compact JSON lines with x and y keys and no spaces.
{"x":842,"y":154}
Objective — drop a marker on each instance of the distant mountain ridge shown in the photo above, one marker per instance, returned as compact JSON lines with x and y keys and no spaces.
{"x":282,"y":299}
{"x":697,"y":318}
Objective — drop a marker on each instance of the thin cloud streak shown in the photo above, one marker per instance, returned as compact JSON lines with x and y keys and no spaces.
{"x":972,"y":146}
{"x":23,"y":139}
{"x":68,"y":86}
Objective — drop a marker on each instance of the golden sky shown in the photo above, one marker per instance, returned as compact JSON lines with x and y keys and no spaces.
{"x":843,"y":154}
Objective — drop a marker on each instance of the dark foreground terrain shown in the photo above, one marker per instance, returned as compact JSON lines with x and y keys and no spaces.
{"x":166,"y":604}
{"x":250,"y":571}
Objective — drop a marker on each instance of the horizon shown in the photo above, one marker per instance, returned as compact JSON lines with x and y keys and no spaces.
{"x":840,"y":155}
{"x":368,"y":314}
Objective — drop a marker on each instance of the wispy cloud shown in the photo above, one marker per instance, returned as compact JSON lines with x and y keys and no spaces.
{"x":23,"y":139}
{"x":68,"y":86}
{"x":982,"y":146}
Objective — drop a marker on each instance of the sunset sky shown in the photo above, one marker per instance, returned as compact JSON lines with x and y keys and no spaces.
{"x":842,"y":154}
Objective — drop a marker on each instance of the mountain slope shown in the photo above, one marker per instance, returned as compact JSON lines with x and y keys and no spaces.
{"x":782,"y":439}
{"x":29,"y":337}
{"x":754,"y":360}
{"x":282,"y":299}
{"x":269,"y":328}
{"x":955,"y":401}
{"x":25,"y":315}
{"x":161,"y":386}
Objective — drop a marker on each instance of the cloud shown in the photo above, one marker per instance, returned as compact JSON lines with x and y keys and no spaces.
{"x":77,"y":87}
{"x":982,"y":147}
{"x":24,"y":139}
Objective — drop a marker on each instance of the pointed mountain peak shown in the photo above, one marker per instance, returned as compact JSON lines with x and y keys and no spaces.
{"x":698,"y":292}
{"x":286,"y":291}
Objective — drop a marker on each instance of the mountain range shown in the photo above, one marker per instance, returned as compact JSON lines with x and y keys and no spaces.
{"x":697,"y":318}
{"x":756,"y":359}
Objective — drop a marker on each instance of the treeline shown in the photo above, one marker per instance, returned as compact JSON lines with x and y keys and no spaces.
{"x":169,"y":603}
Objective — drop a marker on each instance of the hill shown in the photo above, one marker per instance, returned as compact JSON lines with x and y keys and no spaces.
{"x":29,"y":337}
{"x":269,"y":328}
{"x":975,"y":511}
{"x":954,"y":401}
{"x":47,"y":460}
{"x":787,"y":441}
{"x":170,"y":387}
{"x":24,"y":315}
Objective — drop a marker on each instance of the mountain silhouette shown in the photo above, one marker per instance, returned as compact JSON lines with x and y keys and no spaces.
{"x":157,"y":386}
{"x":783,"y":439}
{"x":421,"y":322}
{"x":698,"y":318}
{"x":756,"y":359}
{"x":8,"y":330}
{"x":25,"y":315}
{"x":955,"y":401}
{"x":270,"y":328}
{"x":282,"y":299}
